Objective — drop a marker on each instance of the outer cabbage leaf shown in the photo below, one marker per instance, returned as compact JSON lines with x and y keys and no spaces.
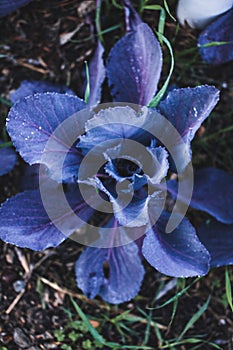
{"x":179,"y":253}
{"x":33,"y":120}
{"x":187,"y":108}
{"x":132,"y":19}
{"x":218,"y":239}
{"x":123,"y":280}
{"x":25,"y":222}
{"x":221,"y":30}
{"x":8,"y":159}
{"x":97,"y":75}
{"x":212,"y":193}
{"x":134,"y":66}
{"x":28,"y":88}
{"x":8,"y":6}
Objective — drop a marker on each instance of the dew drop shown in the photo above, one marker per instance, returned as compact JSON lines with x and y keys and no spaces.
{"x":195,"y":112}
{"x":19,"y":285}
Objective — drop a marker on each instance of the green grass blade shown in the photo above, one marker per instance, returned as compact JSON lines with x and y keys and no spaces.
{"x":155,"y":101}
{"x":95,"y":334}
{"x":153,"y":7}
{"x":6,"y":144}
{"x":115,"y":4}
{"x":87,"y":90}
{"x":173,"y":344}
{"x":5,"y":102}
{"x":175,"y":304}
{"x":194,"y":318}
{"x":162,"y":19}
{"x":98,"y":337}
{"x":158,"y":334}
{"x":148,"y":327}
{"x":228,"y":288}
{"x":177,"y":295}
{"x":168,"y":10}
{"x":98,"y":21}
{"x":215,"y":43}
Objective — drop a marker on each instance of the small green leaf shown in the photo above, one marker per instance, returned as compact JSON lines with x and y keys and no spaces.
{"x":74,"y":336}
{"x":228,"y":288}
{"x":194,"y":318}
{"x":59,"y":334}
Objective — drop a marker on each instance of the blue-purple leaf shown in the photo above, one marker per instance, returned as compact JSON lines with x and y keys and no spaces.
{"x":179,"y":253}
{"x":111,"y":125}
{"x":218,"y":239}
{"x":25,"y":222}
{"x":28,"y":88}
{"x":33,"y":120}
{"x":8,"y":6}
{"x":114,"y":273}
{"x":213,"y":193}
{"x":8,"y":159}
{"x":32,"y":176}
{"x":97,"y":74}
{"x":132,"y":18}
{"x":134,"y":66}
{"x":187,"y":108}
{"x":220,"y":34}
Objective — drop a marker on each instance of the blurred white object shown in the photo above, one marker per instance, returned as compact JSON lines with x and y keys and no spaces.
{"x":199,"y":13}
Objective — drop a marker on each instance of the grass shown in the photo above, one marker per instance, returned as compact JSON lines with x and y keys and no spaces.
{"x":88,"y":330}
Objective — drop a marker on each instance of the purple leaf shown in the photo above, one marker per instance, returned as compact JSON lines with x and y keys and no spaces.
{"x":179,"y":253}
{"x":131,"y":202}
{"x":8,"y":159}
{"x":28,"y":88}
{"x":134,"y":66}
{"x":97,"y":75}
{"x":32,"y":122}
{"x":221,"y":30}
{"x":25,"y":222}
{"x":111,"y":125}
{"x":8,"y":6}
{"x":114,"y":273}
{"x":187,"y":108}
{"x":218,"y":239}
{"x":31,"y":176}
{"x":132,"y":18}
{"x":212,"y":193}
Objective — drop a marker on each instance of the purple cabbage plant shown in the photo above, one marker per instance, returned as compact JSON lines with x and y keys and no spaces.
{"x":111,"y":163}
